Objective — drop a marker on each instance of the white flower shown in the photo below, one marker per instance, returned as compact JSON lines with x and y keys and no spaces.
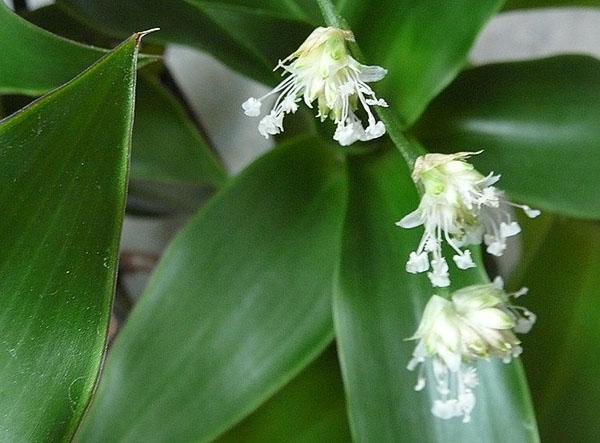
{"x":322,"y":69}
{"x":478,"y":322}
{"x":461,"y":207}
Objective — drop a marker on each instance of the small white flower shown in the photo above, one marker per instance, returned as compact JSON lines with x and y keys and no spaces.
{"x":478,"y":322}
{"x":252,"y":107}
{"x":322,"y":69}
{"x":461,"y":207}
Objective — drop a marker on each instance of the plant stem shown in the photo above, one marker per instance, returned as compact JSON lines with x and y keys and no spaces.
{"x":330,"y":14}
{"x":409,"y":151}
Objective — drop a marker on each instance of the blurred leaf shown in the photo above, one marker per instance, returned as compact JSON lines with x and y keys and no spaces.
{"x":311,"y":408}
{"x":248,"y":39}
{"x":305,"y":10}
{"x":423,"y":44}
{"x":377,"y":306}
{"x":57,"y":20}
{"x":240,"y":303}
{"x":34,"y":61}
{"x":63,"y":181}
{"x":538,"y":124}
{"x":563,"y":364}
{"x":166,"y":145}
{"x":528,"y":4}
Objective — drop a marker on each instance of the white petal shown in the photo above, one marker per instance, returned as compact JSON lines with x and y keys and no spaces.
{"x":420,"y":383}
{"x":377,"y":102}
{"x":417,"y":263}
{"x":348,"y":134}
{"x":251,"y":107}
{"x":496,"y":248}
{"x":464,"y":261}
{"x":524,"y":324}
{"x":508,"y":230}
{"x":498,"y":282}
{"x":370,"y":74}
{"x":489,"y":180}
{"x":411,"y":220}
{"x":493,"y":318}
{"x":521,"y":292}
{"x":374,"y":131}
{"x":531,"y":213}
{"x":446,"y":409}
{"x":439,"y":281}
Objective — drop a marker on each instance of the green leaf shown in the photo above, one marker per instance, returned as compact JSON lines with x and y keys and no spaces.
{"x":530,"y":4}
{"x":166,"y":145}
{"x":423,"y":44}
{"x":562,"y":363}
{"x":311,"y":408}
{"x":538,"y":124}
{"x":377,"y":306}
{"x":64,"y":172}
{"x":239,"y":304}
{"x":35,"y":61}
{"x":57,"y":20}
{"x":248,"y":39}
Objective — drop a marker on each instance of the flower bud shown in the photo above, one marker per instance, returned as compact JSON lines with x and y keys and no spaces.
{"x":322,"y":69}
{"x":461,"y":207}
{"x":477,"y":322}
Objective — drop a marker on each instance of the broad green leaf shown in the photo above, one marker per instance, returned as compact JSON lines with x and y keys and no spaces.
{"x":377,"y":305}
{"x":529,"y":4}
{"x":538,"y":124}
{"x":562,"y":362}
{"x":33,"y":61}
{"x":248,"y":39}
{"x":239,"y":304}
{"x":311,"y":408}
{"x":63,"y":180}
{"x":166,"y":145}
{"x":423,"y":44}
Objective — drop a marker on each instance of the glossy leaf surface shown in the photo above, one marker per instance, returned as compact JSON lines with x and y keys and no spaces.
{"x":65,"y":160}
{"x":564,"y":365}
{"x":167,"y":147}
{"x":248,"y":38}
{"x":543,"y":136}
{"x":423,"y":44}
{"x":33,"y":61}
{"x":311,"y":408}
{"x":240,"y":303}
{"x":377,"y":306}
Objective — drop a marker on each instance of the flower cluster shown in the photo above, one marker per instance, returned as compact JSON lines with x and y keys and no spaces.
{"x":323,"y":70}
{"x":477,"y":322}
{"x":461,"y":207}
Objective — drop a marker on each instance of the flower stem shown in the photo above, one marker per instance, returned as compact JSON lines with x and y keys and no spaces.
{"x":332,"y":18}
{"x":409,"y":151}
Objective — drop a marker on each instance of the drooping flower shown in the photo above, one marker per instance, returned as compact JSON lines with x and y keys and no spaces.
{"x":461,"y":207}
{"x":322,"y":69}
{"x":478,"y":322}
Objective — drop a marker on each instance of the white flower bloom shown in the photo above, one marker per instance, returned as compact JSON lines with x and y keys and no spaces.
{"x":478,"y":322}
{"x":461,"y":207}
{"x":322,"y":69}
